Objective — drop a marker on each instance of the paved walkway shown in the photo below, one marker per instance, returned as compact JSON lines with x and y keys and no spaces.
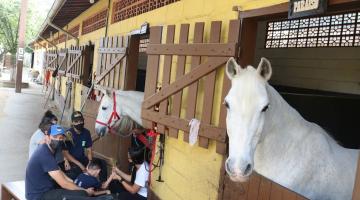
{"x":20,"y":115}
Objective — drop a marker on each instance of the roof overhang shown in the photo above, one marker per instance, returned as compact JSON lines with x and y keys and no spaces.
{"x":63,"y":12}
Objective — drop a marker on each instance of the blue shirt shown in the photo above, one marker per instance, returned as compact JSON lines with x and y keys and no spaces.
{"x":35,"y":140}
{"x":86,"y":181}
{"x":80,"y":142}
{"x":37,"y":179}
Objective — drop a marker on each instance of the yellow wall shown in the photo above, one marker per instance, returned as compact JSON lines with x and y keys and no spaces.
{"x":190,"y":173}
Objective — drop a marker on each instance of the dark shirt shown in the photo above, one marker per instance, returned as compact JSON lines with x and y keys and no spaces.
{"x":80,"y":142}
{"x":37,"y":179}
{"x":86,"y":181}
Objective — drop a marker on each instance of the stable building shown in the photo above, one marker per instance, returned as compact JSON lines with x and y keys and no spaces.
{"x":175,"y":51}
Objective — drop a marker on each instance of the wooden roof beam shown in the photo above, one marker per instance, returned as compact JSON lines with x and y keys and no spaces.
{"x":67,"y":33}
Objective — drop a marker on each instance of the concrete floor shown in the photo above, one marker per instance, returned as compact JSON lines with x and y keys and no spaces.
{"x":20,"y":115}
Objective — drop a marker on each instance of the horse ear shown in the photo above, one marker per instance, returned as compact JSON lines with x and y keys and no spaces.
{"x":106,"y":92}
{"x":264,"y":68}
{"x":232,"y":68}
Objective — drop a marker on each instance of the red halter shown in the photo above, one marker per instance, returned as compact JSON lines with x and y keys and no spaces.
{"x":114,"y":116}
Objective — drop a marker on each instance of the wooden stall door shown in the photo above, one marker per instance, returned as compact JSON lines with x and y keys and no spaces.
{"x":206,"y":59}
{"x":62,"y":61}
{"x":116,"y":69}
{"x":51,"y":60}
{"x":78,"y":64}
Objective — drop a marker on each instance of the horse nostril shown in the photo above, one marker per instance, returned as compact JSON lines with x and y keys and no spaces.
{"x":227,"y":167}
{"x":248,"y":169}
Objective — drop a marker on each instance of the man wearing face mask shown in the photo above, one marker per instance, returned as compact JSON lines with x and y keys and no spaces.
{"x":78,"y":148}
{"x":42,"y":170}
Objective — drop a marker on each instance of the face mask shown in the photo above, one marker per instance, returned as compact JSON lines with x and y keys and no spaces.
{"x":79,"y":127}
{"x":54,"y":144}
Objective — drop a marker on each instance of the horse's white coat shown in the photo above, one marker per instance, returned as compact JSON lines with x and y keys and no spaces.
{"x":128,"y":103}
{"x":279,"y":144}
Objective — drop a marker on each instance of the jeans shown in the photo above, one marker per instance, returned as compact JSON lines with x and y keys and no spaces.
{"x":62,"y":194}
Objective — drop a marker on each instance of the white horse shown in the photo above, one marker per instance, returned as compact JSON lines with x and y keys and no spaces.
{"x":128,"y":105}
{"x":269,"y":136}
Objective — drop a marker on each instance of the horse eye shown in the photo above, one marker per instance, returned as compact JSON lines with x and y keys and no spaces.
{"x":103,"y":108}
{"x":226,"y":104}
{"x":265,"y":108}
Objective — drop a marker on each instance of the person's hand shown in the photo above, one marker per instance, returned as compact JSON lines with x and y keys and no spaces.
{"x":108,"y":192}
{"x":90,"y":191}
{"x":117,"y":177}
{"x":67,"y":165}
{"x":115,"y":170}
{"x":82,"y":168}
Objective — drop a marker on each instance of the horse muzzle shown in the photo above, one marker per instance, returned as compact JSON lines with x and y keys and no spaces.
{"x":238,"y":171}
{"x":101,"y":131}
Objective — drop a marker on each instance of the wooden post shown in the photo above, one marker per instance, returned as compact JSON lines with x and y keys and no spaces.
{"x":21,"y":41}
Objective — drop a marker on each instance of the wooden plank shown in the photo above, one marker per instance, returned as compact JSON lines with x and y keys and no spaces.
{"x":180,"y":69}
{"x":208,"y":49}
{"x":113,"y":50}
{"x":108,"y":62}
{"x":211,"y":132}
{"x":132,"y":63}
{"x":100,"y":58}
{"x":356,"y":190}
{"x":124,"y":64}
{"x":153,"y":64}
{"x":288,"y":194}
{"x":75,"y":51}
{"x":71,"y":67}
{"x":112,"y":56}
{"x":276,"y":192}
{"x":103,"y":62}
{"x":163,"y":108}
{"x":254,"y":186}
{"x":193,"y":88}
{"x":13,"y":190}
{"x":265,"y":189}
{"x":117,"y":67}
{"x":209,"y":82}
{"x":185,"y":80}
{"x":86,"y":68}
{"x":233,"y":36}
{"x":110,"y":67}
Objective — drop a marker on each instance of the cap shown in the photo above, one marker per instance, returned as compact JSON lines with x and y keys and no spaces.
{"x":56,"y":130}
{"x":77,"y":115}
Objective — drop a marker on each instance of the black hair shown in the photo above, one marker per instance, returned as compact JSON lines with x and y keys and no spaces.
{"x":138,"y":154}
{"x":49,"y":114}
{"x":45,"y":124}
{"x":94,"y":164}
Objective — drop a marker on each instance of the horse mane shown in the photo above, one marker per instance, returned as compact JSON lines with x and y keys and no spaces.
{"x":125,"y":125}
{"x":275,"y":95}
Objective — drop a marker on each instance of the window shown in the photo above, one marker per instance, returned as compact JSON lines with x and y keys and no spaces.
{"x":338,"y":30}
{"x":124,"y":9}
{"x":94,"y":23}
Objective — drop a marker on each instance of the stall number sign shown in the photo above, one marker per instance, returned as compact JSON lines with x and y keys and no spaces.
{"x":20,"y":54}
{"x":304,"y":8}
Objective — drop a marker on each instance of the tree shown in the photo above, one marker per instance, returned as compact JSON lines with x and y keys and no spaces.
{"x":9,"y":22}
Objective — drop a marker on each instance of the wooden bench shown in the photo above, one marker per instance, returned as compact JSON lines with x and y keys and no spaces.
{"x":13,"y":190}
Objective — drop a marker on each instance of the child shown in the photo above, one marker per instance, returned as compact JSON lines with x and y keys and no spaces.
{"x":90,"y":179}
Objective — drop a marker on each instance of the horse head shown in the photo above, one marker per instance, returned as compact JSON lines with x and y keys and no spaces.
{"x":120,"y":112}
{"x":105,"y":117}
{"x":246,"y":102}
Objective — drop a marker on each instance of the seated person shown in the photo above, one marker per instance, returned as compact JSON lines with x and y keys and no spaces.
{"x":124,"y":186}
{"x":78,"y":149}
{"x":42,"y":170}
{"x":90,"y":179}
{"x":38,"y":136}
